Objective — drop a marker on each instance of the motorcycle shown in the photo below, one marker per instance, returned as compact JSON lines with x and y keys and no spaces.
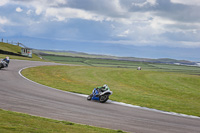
{"x":4,"y":64}
{"x":100,"y":95}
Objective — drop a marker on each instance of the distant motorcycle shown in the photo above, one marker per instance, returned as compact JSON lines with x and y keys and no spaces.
{"x":4,"y":64}
{"x":100,"y":95}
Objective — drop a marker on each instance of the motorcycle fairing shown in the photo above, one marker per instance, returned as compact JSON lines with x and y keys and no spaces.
{"x":95,"y":93}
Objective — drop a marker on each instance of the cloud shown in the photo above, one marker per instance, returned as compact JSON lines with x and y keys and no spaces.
{"x":115,"y":10}
{"x":125,"y":33}
{"x":186,"y":2}
{"x":145,"y":3}
{"x":38,"y":10}
{"x":70,"y":13}
{"x":131,"y":22}
{"x":4,"y":20}
{"x":3,"y":2}
{"x":29,"y":12}
{"x":18,"y":9}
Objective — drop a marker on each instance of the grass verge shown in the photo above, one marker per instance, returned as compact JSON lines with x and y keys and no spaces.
{"x":12,"y":122}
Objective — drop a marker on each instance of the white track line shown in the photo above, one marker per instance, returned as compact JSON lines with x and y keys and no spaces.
{"x":114,"y":102}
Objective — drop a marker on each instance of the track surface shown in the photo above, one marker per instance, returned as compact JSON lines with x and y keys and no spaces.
{"x":21,"y":95}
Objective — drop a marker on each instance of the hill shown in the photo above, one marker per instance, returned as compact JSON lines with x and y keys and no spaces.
{"x":14,"y":52}
{"x":85,"y":55}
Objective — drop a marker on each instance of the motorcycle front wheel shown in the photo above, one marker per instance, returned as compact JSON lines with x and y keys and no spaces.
{"x":103,"y":98}
{"x":89,"y":97}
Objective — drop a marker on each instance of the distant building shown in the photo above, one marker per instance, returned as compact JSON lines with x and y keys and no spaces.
{"x":26,"y":52}
{"x":139,"y":68}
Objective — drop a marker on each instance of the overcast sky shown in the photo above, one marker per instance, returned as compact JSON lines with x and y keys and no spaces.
{"x":139,"y":28}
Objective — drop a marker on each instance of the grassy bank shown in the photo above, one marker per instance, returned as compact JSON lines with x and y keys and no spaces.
{"x":167,"y":91}
{"x":16,"y":50}
{"x":12,"y":122}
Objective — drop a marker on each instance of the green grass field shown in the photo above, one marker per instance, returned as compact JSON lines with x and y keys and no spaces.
{"x":11,"y":122}
{"x":124,"y":64}
{"x":169,"y":91}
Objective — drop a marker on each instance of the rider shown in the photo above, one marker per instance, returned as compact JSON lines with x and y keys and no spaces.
{"x":7,"y":60}
{"x":103,"y":88}
{"x":99,"y":90}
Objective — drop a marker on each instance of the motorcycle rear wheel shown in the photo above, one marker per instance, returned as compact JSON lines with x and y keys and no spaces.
{"x":103,"y":98}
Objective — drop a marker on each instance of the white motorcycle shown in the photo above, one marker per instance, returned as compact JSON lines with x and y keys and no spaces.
{"x":4,"y":64}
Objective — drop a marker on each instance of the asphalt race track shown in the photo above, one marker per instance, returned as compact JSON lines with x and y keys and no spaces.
{"x":20,"y":95}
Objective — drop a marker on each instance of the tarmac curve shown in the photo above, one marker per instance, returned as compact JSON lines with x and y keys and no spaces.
{"x":20,"y":95}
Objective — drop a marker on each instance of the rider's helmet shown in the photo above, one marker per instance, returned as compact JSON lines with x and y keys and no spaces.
{"x":106,"y":87}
